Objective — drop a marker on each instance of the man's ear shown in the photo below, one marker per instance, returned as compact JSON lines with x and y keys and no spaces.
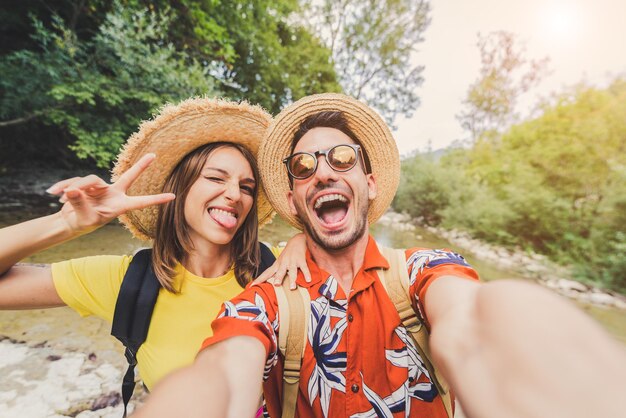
{"x":292,"y":206}
{"x":371,"y":187}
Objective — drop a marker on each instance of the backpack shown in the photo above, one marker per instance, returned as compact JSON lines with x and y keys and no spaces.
{"x":134,"y":306}
{"x":294,"y":308}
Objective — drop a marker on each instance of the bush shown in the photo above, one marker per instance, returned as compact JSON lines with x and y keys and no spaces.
{"x":99,"y":90}
{"x":424,"y":190}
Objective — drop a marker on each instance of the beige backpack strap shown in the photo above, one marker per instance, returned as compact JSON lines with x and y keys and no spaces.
{"x":294,"y":311}
{"x":396,"y":282}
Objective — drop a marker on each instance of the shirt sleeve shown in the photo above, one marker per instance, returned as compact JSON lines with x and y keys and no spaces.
{"x":426,"y":265}
{"x":253,"y":313}
{"x":90,"y":285}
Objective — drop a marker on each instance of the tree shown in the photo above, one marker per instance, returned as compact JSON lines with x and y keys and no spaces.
{"x":424,"y":190}
{"x":372,"y":44}
{"x":554,"y":184}
{"x":98,"y":90}
{"x":257,"y":49}
{"x":93,"y":70}
{"x":505,"y":75}
{"x":563,"y":176}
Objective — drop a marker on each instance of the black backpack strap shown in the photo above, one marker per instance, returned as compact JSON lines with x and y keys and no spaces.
{"x":133,"y":311}
{"x":267,"y":258}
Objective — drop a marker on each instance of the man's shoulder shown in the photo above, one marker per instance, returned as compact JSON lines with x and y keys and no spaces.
{"x":265,"y":290}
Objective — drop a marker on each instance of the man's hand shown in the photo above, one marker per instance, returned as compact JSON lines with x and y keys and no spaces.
{"x":224,"y":381}
{"x":513,"y":349}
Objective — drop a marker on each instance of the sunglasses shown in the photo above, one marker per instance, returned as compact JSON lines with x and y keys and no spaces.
{"x":302,"y":165}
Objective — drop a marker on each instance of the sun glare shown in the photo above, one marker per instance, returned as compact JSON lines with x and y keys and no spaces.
{"x":561,"y":22}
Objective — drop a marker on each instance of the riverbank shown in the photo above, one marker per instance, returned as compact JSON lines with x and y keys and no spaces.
{"x":532,"y":266}
{"x":54,"y":364}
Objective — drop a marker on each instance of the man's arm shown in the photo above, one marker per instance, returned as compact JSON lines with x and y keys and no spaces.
{"x":224,"y":381}
{"x":513,"y":349}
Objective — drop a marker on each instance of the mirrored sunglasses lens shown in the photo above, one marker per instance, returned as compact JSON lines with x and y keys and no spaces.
{"x":302,"y":165}
{"x":342,"y":157}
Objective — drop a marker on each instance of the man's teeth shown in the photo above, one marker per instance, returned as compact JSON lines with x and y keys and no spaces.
{"x":220,"y":212}
{"x":329,"y":198}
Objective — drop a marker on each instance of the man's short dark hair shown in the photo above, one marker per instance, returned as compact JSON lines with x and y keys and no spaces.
{"x":329,"y":119}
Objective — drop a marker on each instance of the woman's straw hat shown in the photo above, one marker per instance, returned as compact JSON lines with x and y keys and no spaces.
{"x":178,"y":130}
{"x":370,"y":129}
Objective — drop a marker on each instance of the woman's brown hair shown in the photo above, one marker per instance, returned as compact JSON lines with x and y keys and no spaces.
{"x":172,"y":243}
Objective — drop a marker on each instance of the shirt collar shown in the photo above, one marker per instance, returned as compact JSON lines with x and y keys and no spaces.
{"x":373,"y":259}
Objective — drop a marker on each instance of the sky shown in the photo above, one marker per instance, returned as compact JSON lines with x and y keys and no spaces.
{"x":584,"y":39}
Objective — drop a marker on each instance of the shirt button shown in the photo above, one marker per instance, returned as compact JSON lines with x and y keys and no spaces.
{"x":350,"y":317}
{"x":355,"y":388}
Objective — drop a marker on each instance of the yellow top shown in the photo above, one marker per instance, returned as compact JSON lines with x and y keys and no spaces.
{"x":180,"y":322}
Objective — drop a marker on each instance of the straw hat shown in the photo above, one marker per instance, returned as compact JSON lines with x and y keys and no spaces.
{"x":178,"y":130}
{"x":372,"y":132}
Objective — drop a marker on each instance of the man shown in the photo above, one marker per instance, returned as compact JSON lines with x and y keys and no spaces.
{"x":507,"y":348}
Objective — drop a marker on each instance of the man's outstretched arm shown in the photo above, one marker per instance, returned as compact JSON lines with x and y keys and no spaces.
{"x":224,"y":381}
{"x":514,"y":349}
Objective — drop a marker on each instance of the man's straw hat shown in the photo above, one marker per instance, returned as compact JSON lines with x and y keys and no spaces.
{"x":370,"y":129}
{"x":178,"y":130}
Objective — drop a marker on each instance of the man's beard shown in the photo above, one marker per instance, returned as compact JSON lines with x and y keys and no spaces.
{"x":341,"y":240}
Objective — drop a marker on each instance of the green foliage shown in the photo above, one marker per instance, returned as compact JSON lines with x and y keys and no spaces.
{"x":276,"y":61}
{"x":372,"y":44}
{"x":94,"y":71}
{"x":555,"y":184}
{"x":424,"y":190}
{"x":99,"y":90}
{"x":505,"y":75}
{"x":258,"y":50}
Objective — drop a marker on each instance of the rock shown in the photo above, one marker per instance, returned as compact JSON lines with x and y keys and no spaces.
{"x":551,"y":283}
{"x":7,"y":396}
{"x":572,"y":285}
{"x":109,"y":399}
{"x":583,"y":297}
{"x":602,"y":299}
{"x":11,"y":353}
{"x":108,"y":373}
{"x":397,"y":221}
{"x":620,"y":304}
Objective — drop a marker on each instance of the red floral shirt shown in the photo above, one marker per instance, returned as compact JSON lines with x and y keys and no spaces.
{"x":359,"y":360}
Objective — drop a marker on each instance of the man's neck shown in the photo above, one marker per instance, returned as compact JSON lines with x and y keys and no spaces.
{"x":342,"y":264}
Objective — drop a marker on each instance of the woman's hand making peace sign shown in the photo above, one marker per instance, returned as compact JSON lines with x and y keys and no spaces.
{"x":90,"y":202}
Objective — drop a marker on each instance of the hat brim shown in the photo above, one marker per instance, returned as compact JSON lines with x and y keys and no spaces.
{"x":178,"y":130}
{"x":370,"y":129}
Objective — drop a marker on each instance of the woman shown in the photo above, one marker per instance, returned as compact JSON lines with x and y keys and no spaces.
{"x":186,"y":180}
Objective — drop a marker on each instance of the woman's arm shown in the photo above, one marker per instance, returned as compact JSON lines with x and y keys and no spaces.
{"x":88,"y":203}
{"x":28,"y":286}
{"x":290,"y":260}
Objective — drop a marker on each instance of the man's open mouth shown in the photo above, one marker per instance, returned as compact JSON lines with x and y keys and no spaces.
{"x":331,"y":208}
{"x":225,"y":217}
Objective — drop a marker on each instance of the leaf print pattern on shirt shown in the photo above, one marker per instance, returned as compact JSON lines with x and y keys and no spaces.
{"x":400,"y":400}
{"x":324,"y":338}
{"x":255,"y":312}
